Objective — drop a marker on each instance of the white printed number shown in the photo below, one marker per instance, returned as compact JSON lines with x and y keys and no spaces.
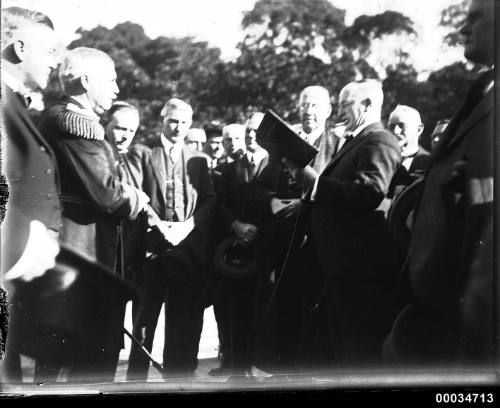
{"x":464,"y":398}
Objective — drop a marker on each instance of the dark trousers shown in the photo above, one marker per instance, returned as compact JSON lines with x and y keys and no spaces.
{"x":233,"y":300}
{"x":360,"y":315}
{"x":53,"y":350}
{"x":183,"y":321}
{"x":285,"y":289}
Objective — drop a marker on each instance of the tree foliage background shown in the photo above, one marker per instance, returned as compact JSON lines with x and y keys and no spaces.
{"x":286,"y":46}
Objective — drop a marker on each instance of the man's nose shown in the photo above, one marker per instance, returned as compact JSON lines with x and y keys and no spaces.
{"x":309,"y":109}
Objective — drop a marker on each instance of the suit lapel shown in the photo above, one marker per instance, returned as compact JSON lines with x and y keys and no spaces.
{"x":352,"y":144}
{"x":455,"y":133}
{"x":189,"y":194}
{"x":22,"y":112}
{"x":258,"y":169}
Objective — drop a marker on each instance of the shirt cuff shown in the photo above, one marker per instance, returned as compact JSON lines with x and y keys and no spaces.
{"x":315,"y":189}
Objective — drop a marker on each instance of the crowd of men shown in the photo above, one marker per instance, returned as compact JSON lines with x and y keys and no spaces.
{"x":376,"y":254}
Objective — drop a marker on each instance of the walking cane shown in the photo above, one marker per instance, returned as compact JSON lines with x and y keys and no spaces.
{"x":155,"y":363}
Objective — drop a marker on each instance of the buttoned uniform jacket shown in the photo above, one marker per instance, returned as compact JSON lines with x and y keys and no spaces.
{"x":94,"y":198}
{"x":30,"y":167}
{"x":451,"y":248}
{"x":199,"y":195}
{"x":348,"y":214}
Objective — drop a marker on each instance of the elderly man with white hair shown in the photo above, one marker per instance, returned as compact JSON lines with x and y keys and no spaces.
{"x":406,"y":124}
{"x":178,"y":181}
{"x":348,"y":232}
{"x":277,"y":195}
{"x":233,"y":141}
{"x":95,"y":201}
{"x":196,"y":139}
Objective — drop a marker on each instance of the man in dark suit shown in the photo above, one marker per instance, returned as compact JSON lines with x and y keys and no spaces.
{"x":213,"y":147}
{"x":121,"y":127}
{"x":234,"y":297}
{"x":94,"y":197}
{"x":283,"y":322}
{"x":178,"y":181}
{"x":348,"y":232}
{"x":405,"y":123}
{"x":448,"y":321}
{"x":33,"y":213}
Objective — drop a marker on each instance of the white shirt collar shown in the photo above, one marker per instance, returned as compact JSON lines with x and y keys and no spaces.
{"x":312,"y":137}
{"x":175,"y":153}
{"x":257,"y":156}
{"x":15,"y":84}
{"x":361,"y":128}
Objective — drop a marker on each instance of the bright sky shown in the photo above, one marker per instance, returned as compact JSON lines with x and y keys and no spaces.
{"x":218,"y":21}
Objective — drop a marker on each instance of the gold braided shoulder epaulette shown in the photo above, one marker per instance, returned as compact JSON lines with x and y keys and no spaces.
{"x":79,"y":125}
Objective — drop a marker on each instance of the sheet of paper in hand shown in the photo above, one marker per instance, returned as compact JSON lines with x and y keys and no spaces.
{"x":280,"y":140}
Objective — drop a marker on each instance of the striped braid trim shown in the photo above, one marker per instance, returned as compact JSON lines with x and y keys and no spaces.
{"x":79,"y":125}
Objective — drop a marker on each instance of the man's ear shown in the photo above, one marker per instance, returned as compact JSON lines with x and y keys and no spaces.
{"x":420,"y":129}
{"x":329,"y":111}
{"x":84,"y":82}
{"x":366,"y":103}
{"x":19,"y":50}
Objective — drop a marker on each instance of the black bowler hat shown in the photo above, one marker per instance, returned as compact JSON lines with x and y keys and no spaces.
{"x":234,"y":260}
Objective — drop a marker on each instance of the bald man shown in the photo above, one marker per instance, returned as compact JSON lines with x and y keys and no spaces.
{"x":348,"y":231}
{"x":196,"y":139}
{"x":407,"y":126}
{"x":277,"y":195}
{"x":95,"y":200}
{"x":233,"y":141}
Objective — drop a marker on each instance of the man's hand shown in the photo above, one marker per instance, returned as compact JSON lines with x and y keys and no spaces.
{"x":292,"y":168}
{"x":284,"y":208}
{"x":290,"y":208}
{"x":38,"y":256}
{"x":277,"y":205}
{"x":143,"y":200}
{"x":176,"y":232}
{"x":245,"y":232}
{"x":307,"y":175}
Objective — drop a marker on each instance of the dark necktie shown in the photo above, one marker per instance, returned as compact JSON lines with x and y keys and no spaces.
{"x":347,"y":138}
{"x":251,"y":164}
